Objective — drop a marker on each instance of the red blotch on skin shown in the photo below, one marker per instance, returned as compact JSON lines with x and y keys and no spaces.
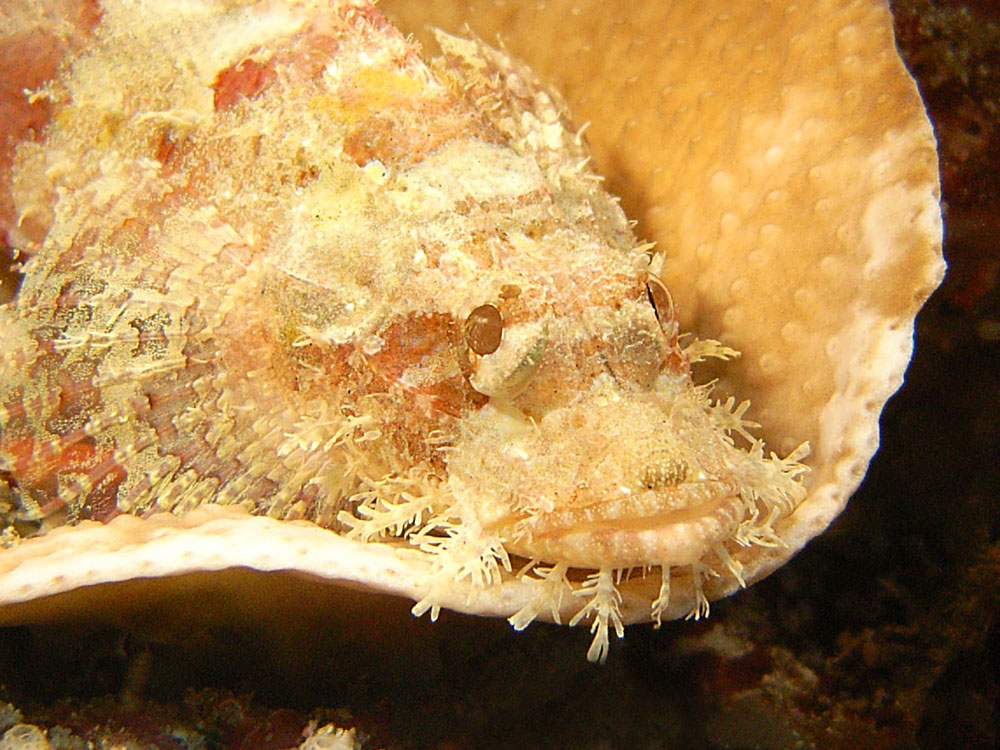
{"x":425,"y":341}
{"x":28,"y":59}
{"x":85,"y":459}
{"x":245,"y":80}
{"x":40,"y":471}
{"x":23,"y":452}
{"x":167,"y":152}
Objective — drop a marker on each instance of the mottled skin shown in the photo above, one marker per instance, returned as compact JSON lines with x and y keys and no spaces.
{"x":249,"y":283}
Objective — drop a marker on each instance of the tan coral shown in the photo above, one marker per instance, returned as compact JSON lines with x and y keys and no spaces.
{"x":781,"y":158}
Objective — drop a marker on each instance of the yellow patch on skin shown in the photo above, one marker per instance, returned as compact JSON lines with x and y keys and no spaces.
{"x":372,"y":91}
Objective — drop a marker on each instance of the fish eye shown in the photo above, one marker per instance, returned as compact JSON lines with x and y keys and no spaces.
{"x":662,"y":302}
{"x":484,"y":330}
{"x":499,"y":360}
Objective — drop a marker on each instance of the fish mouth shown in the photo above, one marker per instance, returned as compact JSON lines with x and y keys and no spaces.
{"x":623,"y":534}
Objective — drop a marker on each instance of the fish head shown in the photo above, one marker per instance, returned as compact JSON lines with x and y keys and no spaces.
{"x":595,"y":448}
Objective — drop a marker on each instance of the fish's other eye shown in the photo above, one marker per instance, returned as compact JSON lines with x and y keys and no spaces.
{"x":484,"y":330}
{"x":662,"y":302}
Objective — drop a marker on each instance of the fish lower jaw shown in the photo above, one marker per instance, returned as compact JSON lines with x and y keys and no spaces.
{"x":669,"y":539}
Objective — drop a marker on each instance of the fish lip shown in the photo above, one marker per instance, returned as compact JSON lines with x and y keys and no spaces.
{"x":672,"y":538}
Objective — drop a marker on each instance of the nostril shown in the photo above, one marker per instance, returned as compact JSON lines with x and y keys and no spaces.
{"x":663,"y":469}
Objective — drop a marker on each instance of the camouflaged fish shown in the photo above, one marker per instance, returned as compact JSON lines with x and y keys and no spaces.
{"x":273,"y":259}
